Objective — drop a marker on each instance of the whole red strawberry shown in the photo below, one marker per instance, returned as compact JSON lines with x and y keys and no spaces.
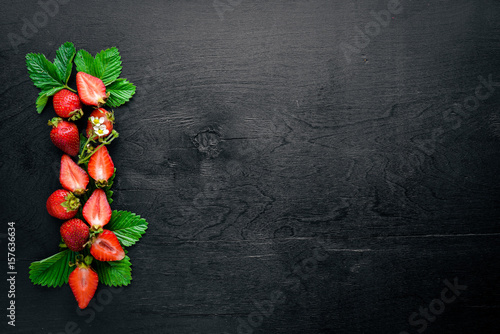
{"x":96,"y":210}
{"x":100,"y":123}
{"x":62,"y":204}
{"x":83,"y":283}
{"x":67,"y":105}
{"x":73,"y":177}
{"x":101,"y":167}
{"x":65,"y":136}
{"x":75,"y":233}
{"x":91,"y":89}
{"x":107,"y":247}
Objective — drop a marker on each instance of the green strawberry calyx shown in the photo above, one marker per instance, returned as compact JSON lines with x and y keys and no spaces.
{"x":54,"y":122}
{"x":75,"y":115}
{"x":71,"y":202}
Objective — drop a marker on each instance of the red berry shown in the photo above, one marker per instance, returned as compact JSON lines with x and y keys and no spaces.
{"x":100,"y":166}
{"x":91,"y":89}
{"x":75,"y":233}
{"x":83,"y":282}
{"x":67,"y":104}
{"x":96,"y":210}
{"x":100,"y":122}
{"x":73,"y":177}
{"x":107,"y":247}
{"x":65,"y":136}
{"x":62,"y":204}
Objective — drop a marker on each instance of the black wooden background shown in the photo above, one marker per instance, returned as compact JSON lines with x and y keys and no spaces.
{"x":303,"y":166}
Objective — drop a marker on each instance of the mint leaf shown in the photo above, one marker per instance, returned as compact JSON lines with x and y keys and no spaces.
{"x":120,"y":91}
{"x":64,"y":61}
{"x":108,"y":65}
{"x":127,"y":226}
{"x":114,"y":273}
{"x":84,"y":62}
{"x":42,"y":72}
{"x":53,"y":271}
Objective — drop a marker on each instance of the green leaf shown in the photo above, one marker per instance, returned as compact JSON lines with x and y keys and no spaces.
{"x":120,"y":91}
{"x":107,"y":189}
{"x":84,"y":62}
{"x":53,"y":271}
{"x":114,"y":273}
{"x":43,"y":97}
{"x":42,"y":72}
{"x":127,"y":226}
{"x":41,"y":101}
{"x":64,"y":61}
{"x":83,"y":141}
{"x":108,"y":65}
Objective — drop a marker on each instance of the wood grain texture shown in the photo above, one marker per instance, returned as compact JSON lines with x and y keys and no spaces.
{"x":267,"y":162}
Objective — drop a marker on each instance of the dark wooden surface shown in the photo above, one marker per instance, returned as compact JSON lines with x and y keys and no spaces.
{"x":268,"y":163}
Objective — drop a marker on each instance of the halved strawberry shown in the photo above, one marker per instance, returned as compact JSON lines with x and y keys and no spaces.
{"x":67,"y":104}
{"x":73,"y":177}
{"x":101,"y":167}
{"x":83,"y":282}
{"x":107,"y":247}
{"x":65,"y":136}
{"x":97,"y":211}
{"x":100,"y":122}
{"x":91,"y":89}
{"x":75,"y":233}
{"x":62,"y":204}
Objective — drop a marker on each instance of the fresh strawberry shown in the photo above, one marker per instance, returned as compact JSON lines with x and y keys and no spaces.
{"x":83,"y":282}
{"x":62,"y":204}
{"x":100,"y":123}
{"x":73,"y":177}
{"x":75,"y":233}
{"x":65,"y":136}
{"x":107,"y":247}
{"x":67,"y":105}
{"x":101,"y":167}
{"x":91,"y":89}
{"x":97,"y":211}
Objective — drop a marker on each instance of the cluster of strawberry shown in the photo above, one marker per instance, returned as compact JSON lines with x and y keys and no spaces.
{"x":66,"y":203}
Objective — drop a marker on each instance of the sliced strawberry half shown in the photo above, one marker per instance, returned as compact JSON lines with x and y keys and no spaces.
{"x":91,"y":90}
{"x":101,"y":167}
{"x":83,"y":282}
{"x":96,"y":210}
{"x":73,"y":177}
{"x":107,"y":247}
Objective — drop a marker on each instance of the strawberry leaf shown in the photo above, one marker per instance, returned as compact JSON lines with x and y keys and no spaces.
{"x":83,"y":141}
{"x":64,"y":61}
{"x":108,"y":65}
{"x":107,"y":189}
{"x":43,"y":97}
{"x":127,"y":226}
{"x":114,"y":273}
{"x":120,"y":91}
{"x":53,"y":271}
{"x":42,"y":72}
{"x":84,"y":62}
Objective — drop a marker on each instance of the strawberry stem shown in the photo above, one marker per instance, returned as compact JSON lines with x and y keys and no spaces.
{"x":83,"y":158}
{"x":69,"y":88}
